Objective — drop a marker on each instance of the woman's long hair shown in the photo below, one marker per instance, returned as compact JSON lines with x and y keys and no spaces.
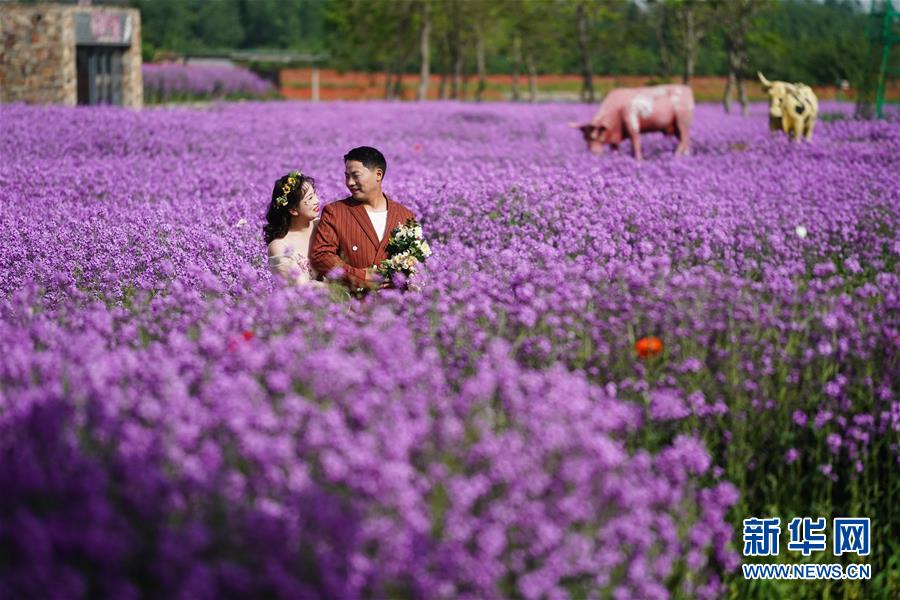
{"x":278,"y":218}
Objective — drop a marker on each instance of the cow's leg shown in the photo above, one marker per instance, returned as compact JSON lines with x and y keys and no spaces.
{"x":684,"y":140}
{"x":683,"y":132}
{"x":809,"y":129}
{"x":636,"y":145}
{"x":613,"y":147}
{"x":777,"y":124}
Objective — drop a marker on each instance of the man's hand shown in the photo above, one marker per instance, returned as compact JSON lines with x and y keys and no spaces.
{"x":375,"y":281}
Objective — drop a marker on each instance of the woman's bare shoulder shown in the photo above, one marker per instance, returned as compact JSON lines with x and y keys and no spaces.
{"x":276,"y":247}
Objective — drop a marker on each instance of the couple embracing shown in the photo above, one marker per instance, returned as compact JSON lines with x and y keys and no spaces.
{"x":352,"y":235}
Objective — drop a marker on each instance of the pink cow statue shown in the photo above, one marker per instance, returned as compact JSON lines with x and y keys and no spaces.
{"x":633,"y":111}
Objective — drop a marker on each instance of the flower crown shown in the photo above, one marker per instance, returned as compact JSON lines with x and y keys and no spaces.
{"x":293,"y":180}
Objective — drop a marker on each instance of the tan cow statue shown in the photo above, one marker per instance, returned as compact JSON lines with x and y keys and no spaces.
{"x":792,"y":107}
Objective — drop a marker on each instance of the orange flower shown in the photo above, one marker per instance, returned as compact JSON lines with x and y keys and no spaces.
{"x":648,"y":346}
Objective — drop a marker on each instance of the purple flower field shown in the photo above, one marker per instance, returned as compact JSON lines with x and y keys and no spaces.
{"x":174,"y":423}
{"x":167,"y":82}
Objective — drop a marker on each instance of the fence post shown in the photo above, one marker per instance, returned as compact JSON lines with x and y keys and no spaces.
{"x":315,"y":83}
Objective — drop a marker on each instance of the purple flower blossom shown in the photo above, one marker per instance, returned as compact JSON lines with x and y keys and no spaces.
{"x":791,"y":456}
{"x":824,"y":269}
{"x":834,"y":442}
{"x":822,"y":417}
{"x":666,"y":404}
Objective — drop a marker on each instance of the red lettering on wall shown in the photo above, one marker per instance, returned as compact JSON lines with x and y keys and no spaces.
{"x":106,"y":27}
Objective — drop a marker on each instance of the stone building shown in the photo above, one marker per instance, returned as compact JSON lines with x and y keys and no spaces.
{"x":69,"y":54}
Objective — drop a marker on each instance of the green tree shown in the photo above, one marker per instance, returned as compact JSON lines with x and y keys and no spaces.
{"x":540,"y":37}
{"x":374,"y":35}
{"x":736,"y":19}
{"x":692,"y":21}
{"x":217,"y":24}
{"x":815,"y":41}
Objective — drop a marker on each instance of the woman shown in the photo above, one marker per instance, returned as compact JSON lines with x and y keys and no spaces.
{"x":291,"y":224}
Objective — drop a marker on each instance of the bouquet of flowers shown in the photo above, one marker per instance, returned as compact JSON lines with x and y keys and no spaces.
{"x":406,"y":249}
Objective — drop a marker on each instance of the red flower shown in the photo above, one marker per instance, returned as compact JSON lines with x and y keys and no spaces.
{"x":248,"y":335}
{"x":417,"y":147}
{"x":648,"y":346}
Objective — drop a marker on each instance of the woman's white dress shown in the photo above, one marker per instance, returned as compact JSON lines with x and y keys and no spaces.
{"x":293,"y":266}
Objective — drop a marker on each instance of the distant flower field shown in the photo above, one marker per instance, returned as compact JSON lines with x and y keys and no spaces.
{"x":610,"y":364}
{"x":173,"y":82}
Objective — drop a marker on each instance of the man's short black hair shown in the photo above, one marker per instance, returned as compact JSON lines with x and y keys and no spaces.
{"x":370,"y":157}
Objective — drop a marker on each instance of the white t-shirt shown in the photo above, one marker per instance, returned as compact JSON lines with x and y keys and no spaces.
{"x":379,"y":222}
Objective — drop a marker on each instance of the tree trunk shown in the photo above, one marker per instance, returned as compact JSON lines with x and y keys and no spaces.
{"x":689,"y":46}
{"x":742,"y":96}
{"x":739,"y":19}
{"x":584,"y":46}
{"x":532,"y":78}
{"x":388,"y":82}
{"x":740,"y":72}
{"x":456,"y":50}
{"x":442,"y":87}
{"x":729,"y":87}
{"x":456,"y":83}
{"x":398,"y":85}
{"x":517,"y":58}
{"x":400,"y":70}
{"x":445,"y":69}
{"x":731,"y":83}
{"x":480,"y":63}
{"x":665,"y":59}
{"x":425,"y":52}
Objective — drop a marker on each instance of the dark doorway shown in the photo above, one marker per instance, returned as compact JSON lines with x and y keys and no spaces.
{"x":99,"y":74}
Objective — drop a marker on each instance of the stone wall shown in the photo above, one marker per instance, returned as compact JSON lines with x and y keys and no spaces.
{"x":132,"y":77}
{"x":37,"y":55}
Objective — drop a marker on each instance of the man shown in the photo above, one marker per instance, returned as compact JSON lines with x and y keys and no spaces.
{"x":353,"y":233}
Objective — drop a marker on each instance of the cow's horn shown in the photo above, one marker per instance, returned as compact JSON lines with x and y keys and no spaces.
{"x":763,"y":79}
{"x":574,"y":125}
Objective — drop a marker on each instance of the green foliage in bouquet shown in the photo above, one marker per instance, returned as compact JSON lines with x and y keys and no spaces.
{"x":407,"y":248}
